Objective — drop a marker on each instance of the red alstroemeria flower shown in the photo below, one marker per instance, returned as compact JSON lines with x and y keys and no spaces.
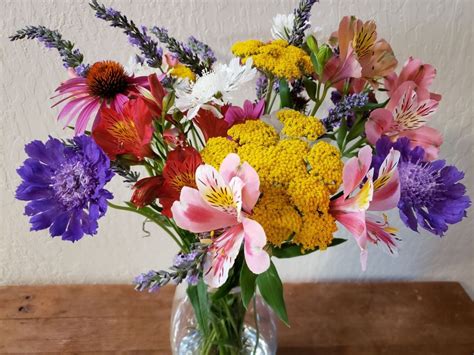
{"x":146,"y":191}
{"x":179,"y":171}
{"x":154,"y":97}
{"x":128,"y":132}
{"x":210,"y":125}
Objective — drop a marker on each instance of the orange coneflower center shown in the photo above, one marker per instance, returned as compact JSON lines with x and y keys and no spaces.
{"x":106,"y":79}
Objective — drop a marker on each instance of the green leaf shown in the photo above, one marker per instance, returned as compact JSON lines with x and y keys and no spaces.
{"x":247,"y":284}
{"x":198,"y":297}
{"x":285,"y":99}
{"x":310,"y":87}
{"x":356,"y":129}
{"x":318,"y":68}
{"x":312,"y":44}
{"x":271,"y":289}
{"x":292,"y":250}
{"x":341,"y":133}
{"x":323,"y":55}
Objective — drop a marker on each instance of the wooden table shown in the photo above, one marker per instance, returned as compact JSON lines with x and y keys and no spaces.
{"x":326,"y":318}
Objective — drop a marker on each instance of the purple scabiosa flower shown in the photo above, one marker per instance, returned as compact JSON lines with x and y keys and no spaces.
{"x":431,"y":195}
{"x":64,"y":185}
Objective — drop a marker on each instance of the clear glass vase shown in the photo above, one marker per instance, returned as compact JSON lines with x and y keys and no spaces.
{"x":233,"y":329}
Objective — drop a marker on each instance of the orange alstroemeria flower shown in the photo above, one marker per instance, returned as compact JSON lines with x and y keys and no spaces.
{"x":127,"y":132}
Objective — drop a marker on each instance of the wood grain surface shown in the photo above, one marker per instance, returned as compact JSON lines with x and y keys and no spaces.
{"x":326,"y":318}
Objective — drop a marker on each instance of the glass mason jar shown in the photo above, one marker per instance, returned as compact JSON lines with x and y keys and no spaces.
{"x":233,"y":329}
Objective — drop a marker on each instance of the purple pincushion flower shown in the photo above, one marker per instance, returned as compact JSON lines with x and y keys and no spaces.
{"x":431,"y":195}
{"x":64,"y":185}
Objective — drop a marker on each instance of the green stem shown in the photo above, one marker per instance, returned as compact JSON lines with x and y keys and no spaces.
{"x":125,"y":208}
{"x":320,"y":100}
{"x":268,"y":95}
{"x":257,"y":330}
{"x":271,"y":104}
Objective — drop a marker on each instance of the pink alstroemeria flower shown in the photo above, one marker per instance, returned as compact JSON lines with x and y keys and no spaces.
{"x":250,"y":111}
{"x":380,"y":194}
{"x":416,"y":71}
{"x":405,"y":116}
{"x":344,"y":65}
{"x":223,"y":201}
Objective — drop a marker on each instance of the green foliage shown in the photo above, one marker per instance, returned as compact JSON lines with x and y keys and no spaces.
{"x":200,"y":302}
{"x":292,"y":250}
{"x":271,"y":289}
{"x":247,"y":284}
{"x":285,"y":95}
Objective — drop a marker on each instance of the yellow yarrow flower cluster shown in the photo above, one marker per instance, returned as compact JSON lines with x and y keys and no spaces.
{"x":296,"y":180}
{"x":316,"y":231}
{"x":298,"y":125}
{"x":277,"y":57}
{"x":255,"y":132}
{"x":326,"y":165}
{"x":183,"y":72}
{"x":217,"y":149}
{"x":277,"y":216}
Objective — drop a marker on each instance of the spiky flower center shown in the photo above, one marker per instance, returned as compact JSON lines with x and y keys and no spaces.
{"x":419,"y":184}
{"x":73,"y":184}
{"x":107,"y":79}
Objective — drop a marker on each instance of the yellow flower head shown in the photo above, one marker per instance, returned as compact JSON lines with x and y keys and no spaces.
{"x":246,"y":48}
{"x":326,"y":164}
{"x":278,"y":58}
{"x":216,"y":150}
{"x":316,"y":231}
{"x":309,"y":194}
{"x":298,"y":125}
{"x":296,"y":180}
{"x":183,"y":72}
{"x":277,"y":216}
{"x":255,"y":132}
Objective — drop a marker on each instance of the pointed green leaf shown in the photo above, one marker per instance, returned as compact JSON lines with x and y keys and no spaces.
{"x":247,"y":284}
{"x":198,"y":297}
{"x":310,"y":87}
{"x":271,"y":289}
{"x":312,"y":44}
{"x":285,"y":98}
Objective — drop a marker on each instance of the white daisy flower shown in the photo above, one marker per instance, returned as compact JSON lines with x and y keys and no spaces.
{"x":213,"y":88}
{"x":282,"y":26}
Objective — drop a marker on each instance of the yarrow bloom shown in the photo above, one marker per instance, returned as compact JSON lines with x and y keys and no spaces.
{"x":64,"y":185}
{"x":105,"y":85}
{"x":431,"y":195}
{"x":277,"y":58}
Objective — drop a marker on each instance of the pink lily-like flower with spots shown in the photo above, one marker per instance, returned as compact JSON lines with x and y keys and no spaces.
{"x":363,"y":193}
{"x":223,"y":201}
{"x":406,"y":115}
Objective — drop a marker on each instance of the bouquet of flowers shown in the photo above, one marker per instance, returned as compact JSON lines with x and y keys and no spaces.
{"x":235,"y":186}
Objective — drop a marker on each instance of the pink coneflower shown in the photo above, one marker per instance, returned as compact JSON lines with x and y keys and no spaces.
{"x":106,"y":83}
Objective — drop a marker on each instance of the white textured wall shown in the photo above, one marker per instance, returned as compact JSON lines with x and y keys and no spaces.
{"x":438,"y":31}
